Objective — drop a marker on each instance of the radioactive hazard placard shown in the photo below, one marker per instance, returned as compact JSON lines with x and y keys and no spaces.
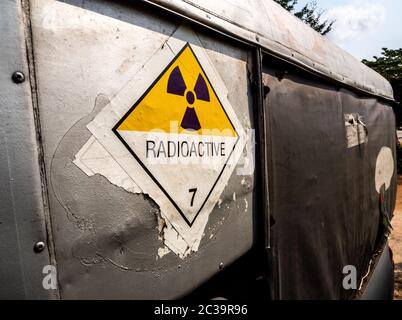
{"x":179,"y":130}
{"x":172,"y":132}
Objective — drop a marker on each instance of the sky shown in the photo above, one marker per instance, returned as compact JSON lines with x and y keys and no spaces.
{"x":364,"y":27}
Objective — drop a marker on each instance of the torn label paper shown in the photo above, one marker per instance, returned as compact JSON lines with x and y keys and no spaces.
{"x":173,"y":132}
{"x":356,"y":130}
{"x":94,"y":159}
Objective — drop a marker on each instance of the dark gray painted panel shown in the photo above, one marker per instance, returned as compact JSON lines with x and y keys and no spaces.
{"x":325,"y":208}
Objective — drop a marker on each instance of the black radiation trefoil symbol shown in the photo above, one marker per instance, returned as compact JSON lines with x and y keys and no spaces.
{"x":177,"y":86}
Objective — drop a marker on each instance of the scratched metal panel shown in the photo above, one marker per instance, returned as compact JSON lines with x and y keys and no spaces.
{"x":22,"y":221}
{"x":266,"y":24}
{"x":106,"y":239}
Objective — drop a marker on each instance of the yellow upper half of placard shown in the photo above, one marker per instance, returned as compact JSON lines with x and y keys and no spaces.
{"x":163,"y":111}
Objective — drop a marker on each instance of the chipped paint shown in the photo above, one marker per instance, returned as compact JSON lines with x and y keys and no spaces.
{"x":384,"y":169}
{"x":243,"y":181}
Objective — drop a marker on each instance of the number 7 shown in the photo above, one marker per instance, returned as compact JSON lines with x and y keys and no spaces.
{"x":193,"y":191}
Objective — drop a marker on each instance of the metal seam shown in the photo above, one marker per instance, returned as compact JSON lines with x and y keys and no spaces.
{"x":26,"y":12}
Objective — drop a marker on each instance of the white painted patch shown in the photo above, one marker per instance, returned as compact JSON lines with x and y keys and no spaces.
{"x":384,"y":169}
{"x":105,"y":153}
{"x":356,"y":130}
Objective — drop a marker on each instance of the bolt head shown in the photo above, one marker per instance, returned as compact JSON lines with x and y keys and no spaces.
{"x":221,"y":266}
{"x":39,"y":246}
{"x":18,"y":77}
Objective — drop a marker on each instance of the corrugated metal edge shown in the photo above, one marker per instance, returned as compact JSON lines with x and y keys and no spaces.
{"x":372,"y":83}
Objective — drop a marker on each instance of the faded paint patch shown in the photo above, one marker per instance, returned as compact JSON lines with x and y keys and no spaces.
{"x":172,"y":239}
{"x":384,"y":169}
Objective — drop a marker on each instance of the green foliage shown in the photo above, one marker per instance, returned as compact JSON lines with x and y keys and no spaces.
{"x":310,"y":14}
{"x":389,"y":65}
{"x":288,"y":5}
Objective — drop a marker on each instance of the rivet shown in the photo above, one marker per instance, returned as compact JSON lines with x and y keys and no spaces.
{"x":39,"y":246}
{"x":221,"y":266}
{"x":18,"y":77}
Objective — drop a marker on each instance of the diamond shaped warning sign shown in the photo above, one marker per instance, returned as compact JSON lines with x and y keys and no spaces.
{"x":170,"y":132}
{"x":181,"y":134}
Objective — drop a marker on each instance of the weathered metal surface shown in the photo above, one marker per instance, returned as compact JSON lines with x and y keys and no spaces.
{"x":107,"y":239}
{"x":22,"y":219}
{"x":325,"y":202}
{"x":266,"y":24}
